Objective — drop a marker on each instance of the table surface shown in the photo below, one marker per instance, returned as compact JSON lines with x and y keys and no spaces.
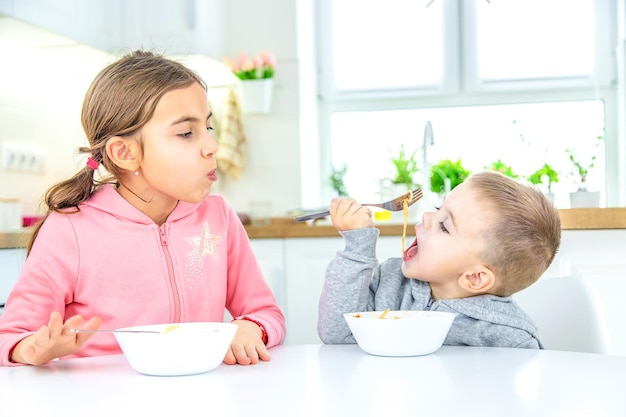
{"x":331,"y":380}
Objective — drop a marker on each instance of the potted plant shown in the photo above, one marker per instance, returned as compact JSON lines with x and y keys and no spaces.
{"x":446,"y":175}
{"x":499,"y":166}
{"x":582,"y":197}
{"x":257,"y":80}
{"x":405,"y":169}
{"x":259,"y":67}
{"x":545,"y":174}
{"x":401,"y":180}
{"x":336,"y":180}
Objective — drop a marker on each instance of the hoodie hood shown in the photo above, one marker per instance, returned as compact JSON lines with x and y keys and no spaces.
{"x":489,"y":320}
{"x":107,"y":199}
{"x":497,"y":310}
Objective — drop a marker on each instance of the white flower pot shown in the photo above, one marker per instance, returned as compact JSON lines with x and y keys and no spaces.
{"x":580,"y":199}
{"x":257,"y":95}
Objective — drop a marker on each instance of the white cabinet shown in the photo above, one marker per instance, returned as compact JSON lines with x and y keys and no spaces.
{"x":306,"y":260}
{"x":269,"y":254}
{"x":600,"y":257}
{"x":95,"y":22}
{"x":590,"y":252}
{"x":11,"y":262}
{"x":305,"y":265}
{"x":168,"y":26}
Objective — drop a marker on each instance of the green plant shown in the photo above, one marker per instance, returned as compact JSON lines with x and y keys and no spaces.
{"x":545,"y":172}
{"x":406,"y":168}
{"x":446,"y":169}
{"x":336,"y":180}
{"x":499,"y":166}
{"x":581,"y":170}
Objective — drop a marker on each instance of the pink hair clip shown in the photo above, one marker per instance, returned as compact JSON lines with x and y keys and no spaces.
{"x":92,"y":163}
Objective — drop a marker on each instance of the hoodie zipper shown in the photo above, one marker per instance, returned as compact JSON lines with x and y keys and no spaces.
{"x":170,"y":273}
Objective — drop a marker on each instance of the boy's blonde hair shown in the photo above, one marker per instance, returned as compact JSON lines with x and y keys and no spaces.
{"x":525,"y":234}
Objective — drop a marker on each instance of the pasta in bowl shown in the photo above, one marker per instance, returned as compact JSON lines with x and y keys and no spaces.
{"x":399,"y":333}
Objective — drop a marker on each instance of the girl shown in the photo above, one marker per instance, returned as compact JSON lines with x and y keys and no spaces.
{"x":146,"y":243}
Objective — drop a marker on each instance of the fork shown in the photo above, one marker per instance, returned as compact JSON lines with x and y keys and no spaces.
{"x":112,"y":331}
{"x":397,"y":204}
{"x":167,"y":330}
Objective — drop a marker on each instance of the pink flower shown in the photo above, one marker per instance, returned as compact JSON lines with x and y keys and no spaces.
{"x":247,"y":65}
{"x":260,"y":67}
{"x":231,"y":64}
{"x":258,"y":61}
{"x":268,"y":59}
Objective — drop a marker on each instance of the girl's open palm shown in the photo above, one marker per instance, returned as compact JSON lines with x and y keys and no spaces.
{"x":54,"y":340}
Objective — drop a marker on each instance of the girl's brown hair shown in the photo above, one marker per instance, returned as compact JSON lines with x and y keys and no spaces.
{"x":525,"y":236}
{"x":119,"y":102}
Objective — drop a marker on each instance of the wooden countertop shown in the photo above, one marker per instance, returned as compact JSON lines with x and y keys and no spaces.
{"x":571,"y":219}
{"x":284,"y":227}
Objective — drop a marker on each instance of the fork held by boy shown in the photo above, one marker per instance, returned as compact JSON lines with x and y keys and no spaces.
{"x":397,"y":204}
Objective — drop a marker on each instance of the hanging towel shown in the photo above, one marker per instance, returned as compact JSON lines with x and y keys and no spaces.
{"x":228,"y":124}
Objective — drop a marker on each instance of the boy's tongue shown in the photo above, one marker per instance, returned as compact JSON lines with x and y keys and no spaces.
{"x":411,"y":251}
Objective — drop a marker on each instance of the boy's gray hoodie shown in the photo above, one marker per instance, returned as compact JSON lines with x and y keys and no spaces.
{"x":356,"y":282}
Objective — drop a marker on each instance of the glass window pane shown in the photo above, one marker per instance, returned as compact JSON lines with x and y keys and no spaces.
{"x":528,"y":39}
{"x":386,"y":45}
{"x":523,"y":136}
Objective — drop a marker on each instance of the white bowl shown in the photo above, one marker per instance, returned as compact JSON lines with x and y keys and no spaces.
{"x":400,"y":333}
{"x":185,"y":349}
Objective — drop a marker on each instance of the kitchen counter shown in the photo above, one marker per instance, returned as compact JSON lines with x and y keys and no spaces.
{"x":571,"y":219}
{"x":14,"y":238}
{"x":284,"y":227}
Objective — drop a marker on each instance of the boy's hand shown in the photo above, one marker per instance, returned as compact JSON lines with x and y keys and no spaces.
{"x":247,"y":346}
{"x":54,"y":340}
{"x":347,"y":214}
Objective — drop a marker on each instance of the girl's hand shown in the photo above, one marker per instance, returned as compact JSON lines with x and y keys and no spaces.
{"x":54,"y":340}
{"x":347,"y":214}
{"x":247,"y":346}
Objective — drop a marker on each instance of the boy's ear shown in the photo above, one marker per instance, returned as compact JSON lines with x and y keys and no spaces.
{"x":478,"y":281}
{"x":123,"y":152}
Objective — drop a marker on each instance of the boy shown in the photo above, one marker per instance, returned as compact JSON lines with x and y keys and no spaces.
{"x":491,"y":238}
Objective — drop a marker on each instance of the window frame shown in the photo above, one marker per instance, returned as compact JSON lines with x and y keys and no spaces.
{"x":461,"y":87}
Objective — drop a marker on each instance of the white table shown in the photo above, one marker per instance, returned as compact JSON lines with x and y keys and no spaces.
{"x":340,"y":380}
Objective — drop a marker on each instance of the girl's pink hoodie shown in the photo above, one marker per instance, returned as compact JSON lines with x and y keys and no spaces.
{"x":111,"y":260}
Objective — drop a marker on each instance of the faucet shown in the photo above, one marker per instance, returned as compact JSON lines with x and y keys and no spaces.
{"x":429,"y":140}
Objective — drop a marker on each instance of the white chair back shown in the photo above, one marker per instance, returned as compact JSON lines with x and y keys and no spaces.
{"x":569,"y":314}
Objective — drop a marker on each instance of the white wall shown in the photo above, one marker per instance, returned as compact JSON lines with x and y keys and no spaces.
{"x":40,"y":101}
{"x":41,"y":91}
{"x":273,"y":171}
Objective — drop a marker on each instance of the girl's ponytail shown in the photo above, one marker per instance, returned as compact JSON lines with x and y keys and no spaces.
{"x":66,"y":195}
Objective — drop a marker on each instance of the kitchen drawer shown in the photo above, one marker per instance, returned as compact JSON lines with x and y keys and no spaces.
{"x":11,"y":262}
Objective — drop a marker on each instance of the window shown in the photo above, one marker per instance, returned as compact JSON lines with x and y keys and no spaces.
{"x":555,"y":42}
{"x":362,"y":55}
{"x":515,"y":80}
{"x":523,"y":136}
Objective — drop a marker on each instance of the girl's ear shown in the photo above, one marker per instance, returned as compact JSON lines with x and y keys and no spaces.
{"x":478,"y":281}
{"x":123,"y":152}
